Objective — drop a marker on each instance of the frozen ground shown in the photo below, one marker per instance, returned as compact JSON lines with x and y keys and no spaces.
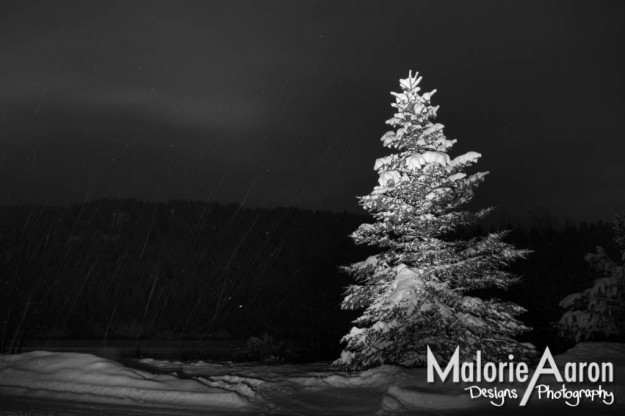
{"x":45,"y":383}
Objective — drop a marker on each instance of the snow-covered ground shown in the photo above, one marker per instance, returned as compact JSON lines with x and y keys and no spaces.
{"x":70,"y":383}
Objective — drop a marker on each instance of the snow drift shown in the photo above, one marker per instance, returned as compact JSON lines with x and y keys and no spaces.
{"x":303,"y":389}
{"x":85,"y":377}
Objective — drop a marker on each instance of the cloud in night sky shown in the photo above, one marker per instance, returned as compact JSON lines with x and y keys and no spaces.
{"x":282,"y":103}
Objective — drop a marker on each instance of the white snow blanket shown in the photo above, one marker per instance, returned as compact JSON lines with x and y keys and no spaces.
{"x":85,"y":377}
{"x":309,"y":389}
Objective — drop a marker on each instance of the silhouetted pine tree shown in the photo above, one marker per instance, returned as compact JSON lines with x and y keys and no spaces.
{"x":598,"y":312}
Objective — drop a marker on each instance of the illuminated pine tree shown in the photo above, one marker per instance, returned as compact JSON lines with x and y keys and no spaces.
{"x":414,"y":293}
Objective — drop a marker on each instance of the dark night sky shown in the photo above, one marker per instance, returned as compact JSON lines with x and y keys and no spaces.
{"x":283,"y":102}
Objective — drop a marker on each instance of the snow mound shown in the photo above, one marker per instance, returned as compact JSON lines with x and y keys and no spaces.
{"x":402,"y":399}
{"x":596,"y":351}
{"x":407,"y":282}
{"x":390,"y":175}
{"x":293,"y":389}
{"x":86,"y":377}
{"x":376,"y":378}
{"x":600,"y":352}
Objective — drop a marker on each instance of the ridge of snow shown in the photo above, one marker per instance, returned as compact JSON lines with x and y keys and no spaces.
{"x":418,"y":160}
{"x":468,"y":157}
{"x":433,"y":129}
{"x":370,"y":261}
{"x":379,"y":163}
{"x":456,"y":176}
{"x":477,"y":176}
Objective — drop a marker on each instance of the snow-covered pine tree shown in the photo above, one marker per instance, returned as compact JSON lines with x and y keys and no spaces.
{"x":415,"y":292}
{"x":598,"y":312}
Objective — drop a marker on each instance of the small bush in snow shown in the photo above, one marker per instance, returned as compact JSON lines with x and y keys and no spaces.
{"x":265,"y":348}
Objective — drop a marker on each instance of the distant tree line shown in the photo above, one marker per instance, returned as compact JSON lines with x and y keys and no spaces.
{"x":133,"y":269}
{"x":194,"y":270}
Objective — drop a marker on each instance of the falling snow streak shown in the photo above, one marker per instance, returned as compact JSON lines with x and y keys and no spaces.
{"x":226,"y":274}
{"x":58,"y":36}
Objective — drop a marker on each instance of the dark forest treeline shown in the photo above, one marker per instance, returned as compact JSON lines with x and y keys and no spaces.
{"x":133,"y":269}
